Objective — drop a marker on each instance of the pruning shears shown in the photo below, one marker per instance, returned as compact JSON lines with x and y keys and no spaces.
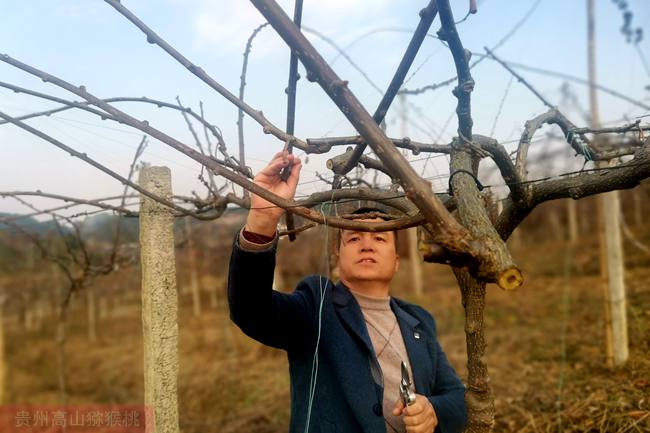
{"x":405,"y":387}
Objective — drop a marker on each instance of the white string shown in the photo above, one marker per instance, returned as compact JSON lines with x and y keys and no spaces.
{"x":314,"y":365}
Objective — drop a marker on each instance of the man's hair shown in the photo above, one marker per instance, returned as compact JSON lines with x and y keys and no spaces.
{"x":361,"y":212}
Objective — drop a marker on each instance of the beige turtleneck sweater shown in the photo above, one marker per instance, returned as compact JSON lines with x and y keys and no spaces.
{"x":389,"y":347}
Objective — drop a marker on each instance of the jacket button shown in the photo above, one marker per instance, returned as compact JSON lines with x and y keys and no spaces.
{"x":377,"y":409}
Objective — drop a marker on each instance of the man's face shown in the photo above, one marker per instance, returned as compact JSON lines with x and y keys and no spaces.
{"x":366,"y":256}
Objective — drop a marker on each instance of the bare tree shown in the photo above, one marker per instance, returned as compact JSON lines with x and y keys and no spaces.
{"x":66,"y":249}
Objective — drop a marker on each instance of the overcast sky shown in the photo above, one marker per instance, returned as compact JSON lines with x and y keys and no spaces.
{"x":87,"y":42}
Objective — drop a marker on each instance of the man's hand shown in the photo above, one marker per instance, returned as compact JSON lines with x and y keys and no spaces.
{"x":264,"y":216}
{"x":420,"y":417}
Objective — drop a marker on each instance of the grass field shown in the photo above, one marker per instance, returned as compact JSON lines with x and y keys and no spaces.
{"x":545,"y":355}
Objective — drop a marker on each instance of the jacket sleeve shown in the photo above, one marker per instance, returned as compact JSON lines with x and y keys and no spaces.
{"x":280,"y":320}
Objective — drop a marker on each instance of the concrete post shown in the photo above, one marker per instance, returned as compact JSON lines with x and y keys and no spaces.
{"x":616,"y":273}
{"x":159,"y":303}
{"x":572,"y":216}
{"x":637,"y":199}
{"x":91,"y":309}
{"x":414,"y":260}
{"x":612,"y":265}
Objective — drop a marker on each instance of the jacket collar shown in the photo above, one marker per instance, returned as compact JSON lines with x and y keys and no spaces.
{"x":403,"y":315}
{"x":350,"y":312}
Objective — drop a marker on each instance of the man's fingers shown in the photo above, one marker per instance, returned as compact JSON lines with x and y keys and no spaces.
{"x":420,"y":416}
{"x":397,"y":409}
{"x":416,"y":419}
{"x":417,"y":407}
{"x":422,"y":428}
{"x":271,"y":173}
{"x":276,"y":165}
{"x":295,"y":174}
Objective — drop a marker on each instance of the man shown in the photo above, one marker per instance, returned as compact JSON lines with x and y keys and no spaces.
{"x":345,"y":342}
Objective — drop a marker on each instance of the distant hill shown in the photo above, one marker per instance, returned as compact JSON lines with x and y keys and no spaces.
{"x":28,"y":224}
{"x":101,"y":228}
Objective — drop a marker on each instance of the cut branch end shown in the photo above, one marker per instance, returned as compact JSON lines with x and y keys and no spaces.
{"x":510,"y":279}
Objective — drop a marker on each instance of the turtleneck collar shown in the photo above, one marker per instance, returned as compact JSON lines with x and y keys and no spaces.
{"x":371,"y":302}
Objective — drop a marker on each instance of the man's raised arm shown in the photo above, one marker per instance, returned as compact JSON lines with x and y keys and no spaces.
{"x":263,"y":216}
{"x":273,"y":318}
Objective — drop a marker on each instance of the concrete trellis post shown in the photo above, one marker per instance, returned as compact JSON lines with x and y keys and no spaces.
{"x":572,"y":216}
{"x":612,"y":264}
{"x":615,"y":272}
{"x":91,"y":309}
{"x":159,"y":303}
{"x":415,"y":261}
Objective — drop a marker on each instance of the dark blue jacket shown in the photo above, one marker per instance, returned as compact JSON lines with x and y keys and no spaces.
{"x":347,"y":398}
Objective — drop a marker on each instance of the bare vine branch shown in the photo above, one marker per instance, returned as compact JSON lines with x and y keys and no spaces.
{"x":205,"y":130}
{"x":75,"y":202}
{"x":447,"y":232}
{"x":242,"y":85}
{"x":154,"y":38}
{"x":97,"y":165}
{"x":542,"y":71}
{"x":84,"y":106}
{"x":118,"y":225}
{"x":470,"y":205}
{"x":589,"y":182}
{"x":199,"y":145}
{"x":197,"y":156}
{"x":426,"y":18}
{"x":325,"y":144}
{"x":291,"y":111}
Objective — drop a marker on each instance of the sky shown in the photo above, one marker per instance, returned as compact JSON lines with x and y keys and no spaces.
{"x":87,"y":42}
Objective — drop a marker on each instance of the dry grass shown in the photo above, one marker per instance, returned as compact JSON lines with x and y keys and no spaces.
{"x":228,"y":383}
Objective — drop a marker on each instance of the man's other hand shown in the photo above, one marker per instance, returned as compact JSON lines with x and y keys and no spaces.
{"x":264,"y":215}
{"x":420,"y":417}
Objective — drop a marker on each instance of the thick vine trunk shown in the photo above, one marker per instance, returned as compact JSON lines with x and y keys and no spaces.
{"x":478,"y":397}
{"x":473,"y":215}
